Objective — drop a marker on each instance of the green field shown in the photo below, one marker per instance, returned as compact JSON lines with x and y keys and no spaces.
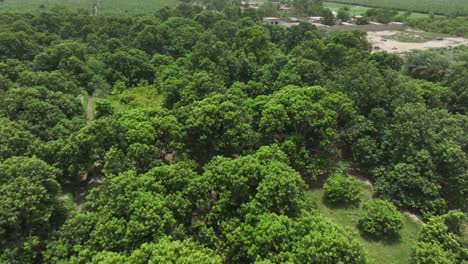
{"x":43,"y":5}
{"x":145,"y":96}
{"x":359,"y":10}
{"x":106,"y":6}
{"x":134,"y":6}
{"x":380,"y":252}
{"x":445,"y":7}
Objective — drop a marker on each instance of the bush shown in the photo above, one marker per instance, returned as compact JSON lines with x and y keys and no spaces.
{"x":341,"y":189}
{"x":381,"y":219}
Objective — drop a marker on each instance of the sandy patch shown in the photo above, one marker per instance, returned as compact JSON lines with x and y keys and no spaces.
{"x":379,"y":43}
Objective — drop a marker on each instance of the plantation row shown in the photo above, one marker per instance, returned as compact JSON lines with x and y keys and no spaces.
{"x":445,"y":7}
{"x":106,"y":6}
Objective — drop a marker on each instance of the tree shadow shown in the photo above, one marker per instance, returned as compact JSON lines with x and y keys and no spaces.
{"x":340,"y":205}
{"x":385,"y":239}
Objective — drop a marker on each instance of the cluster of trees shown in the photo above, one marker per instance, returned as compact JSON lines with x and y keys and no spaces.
{"x":448,"y":25}
{"x":441,"y":240}
{"x":252,"y":115}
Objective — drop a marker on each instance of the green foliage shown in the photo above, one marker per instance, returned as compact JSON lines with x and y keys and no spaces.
{"x":15,"y":140}
{"x":403,"y":179}
{"x":380,"y":219}
{"x":30,"y":208}
{"x":208,"y":132}
{"x":340,"y":189}
{"x":343,"y":14}
{"x":440,"y":240}
{"x":447,"y":25}
{"x":427,"y":65}
{"x":262,"y":182}
{"x":164,"y":251}
{"x":307,"y":7}
{"x":387,"y":60}
{"x":278,"y":238}
{"x":381,"y":15}
{"x":328,"y":17}
{"x":221,"y":124}
{"x":441,"y":164}
{"x":348,"y":218}
{"x":127,"y":211}
{"x":456,"y":78}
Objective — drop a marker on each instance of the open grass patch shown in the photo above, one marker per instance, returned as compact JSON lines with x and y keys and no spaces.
{"x":144,"y":96}
{"x":380,"y":251}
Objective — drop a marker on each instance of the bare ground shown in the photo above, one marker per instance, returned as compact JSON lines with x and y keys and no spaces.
{"x":381,"y":43}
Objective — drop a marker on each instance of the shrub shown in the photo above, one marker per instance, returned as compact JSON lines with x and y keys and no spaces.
{"x":380,"y":219}
{"x":341,"y":189}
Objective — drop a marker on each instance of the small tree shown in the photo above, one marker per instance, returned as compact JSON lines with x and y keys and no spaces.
{"x":362,"y":20}
{"x":343,"y":14}
{"x":380,"y":219}
{"x":340,"y":189}
{"x":328,"y":17}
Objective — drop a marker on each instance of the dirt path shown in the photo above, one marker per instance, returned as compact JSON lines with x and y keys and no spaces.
{"x":354,"y":171}
{"x":89,"y":109}
{"x":96,"y":7}
{"x":381,"y":43}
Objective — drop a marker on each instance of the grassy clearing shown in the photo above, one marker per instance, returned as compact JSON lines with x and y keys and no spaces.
{"x":380,"y":252}
{"x":145,"y":96}
{"x":106,"y":6}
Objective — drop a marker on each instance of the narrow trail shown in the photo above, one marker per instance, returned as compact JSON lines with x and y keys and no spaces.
{"x":88,"y":180}
{"x":89,"y":109}
{"x":356,"y":172}
{"x":96,"y":7}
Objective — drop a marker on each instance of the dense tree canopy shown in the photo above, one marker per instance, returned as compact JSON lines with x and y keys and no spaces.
{"x":211,"y":128}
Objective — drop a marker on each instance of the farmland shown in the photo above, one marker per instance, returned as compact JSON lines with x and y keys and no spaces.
{"x":359,"y":10}
{"x":106,"y":6}
{"x":134,"y":6}
{"x":445,"y":7}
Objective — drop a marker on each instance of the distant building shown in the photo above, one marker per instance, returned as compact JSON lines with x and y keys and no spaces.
{"x":316,"y":19}
{"x":253,"y":5}
{"x":272,"y":20}
{"x":283,"y":22}
{"x":293,"y":19}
